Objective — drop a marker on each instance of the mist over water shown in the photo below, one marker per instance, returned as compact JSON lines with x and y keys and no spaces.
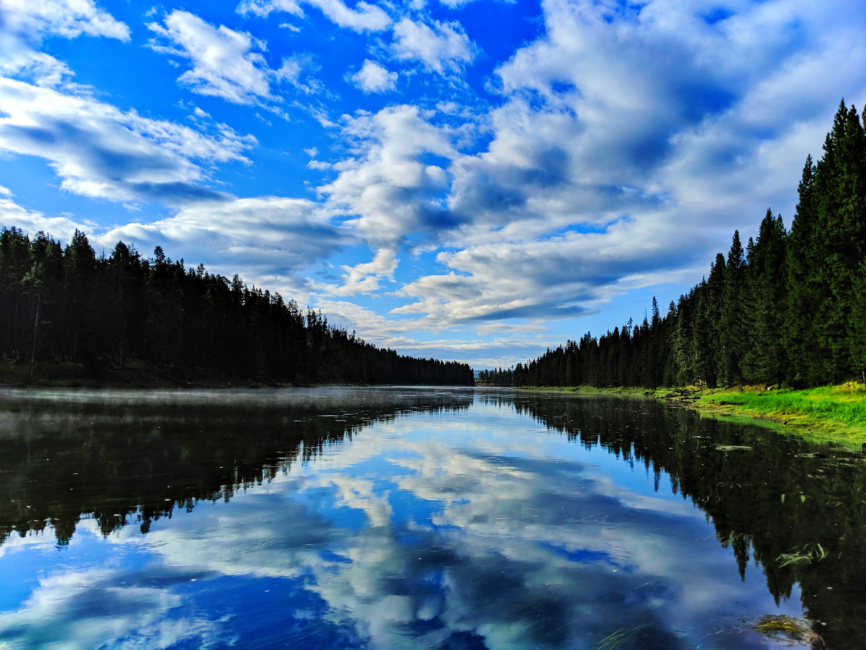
{"x":414,"y":517}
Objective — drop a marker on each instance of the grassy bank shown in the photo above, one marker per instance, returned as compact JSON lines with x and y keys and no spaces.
{"x":826,"y":414}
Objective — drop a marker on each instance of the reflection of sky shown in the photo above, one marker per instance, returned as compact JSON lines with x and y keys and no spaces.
{"x":460,"y":530}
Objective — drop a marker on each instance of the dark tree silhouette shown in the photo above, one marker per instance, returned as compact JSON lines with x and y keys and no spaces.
{"x":68,"y":305}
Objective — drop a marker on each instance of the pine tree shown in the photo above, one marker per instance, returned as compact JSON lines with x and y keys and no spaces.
{"x":765,"y":359}
{"x":706,"y":331}
{"x":733,"y":333}
{"x":841,"y":215}
{"x":803,"y":292}
{"x":857,"y":322}
{"x":682,"y":342}
{"x":80,"y":270}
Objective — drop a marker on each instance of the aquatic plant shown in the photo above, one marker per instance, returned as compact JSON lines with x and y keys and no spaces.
{"x":808,"y":554}
{"x":792,"y":629}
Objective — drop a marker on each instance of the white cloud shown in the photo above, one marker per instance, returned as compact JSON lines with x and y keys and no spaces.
{"x":269,"y":240}
{"x":319,"y":165}
{"x":441,"y":47}
{"x":19,"y":60}
{"x":557,"y":277}
{"x":386,"y":186}
{"x":468,"y":343}
{"x":624,"y":135}
{"x":100,"y":151}
{"x":373,"y":78}
{"x":24,"y":24}
{"x":224,"y":62}
{"x":364,"y":278}
{"x":68,"y":18}
{"x":31,"y":222}
{"x":363,"y":17}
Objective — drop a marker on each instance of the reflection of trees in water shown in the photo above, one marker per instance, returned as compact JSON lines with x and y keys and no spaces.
{"x":142,"y":460}
{"x":766,"y":494}
{"x":136,"y":460}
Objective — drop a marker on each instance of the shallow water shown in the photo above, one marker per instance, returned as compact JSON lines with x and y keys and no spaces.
{"x":413,"y":517}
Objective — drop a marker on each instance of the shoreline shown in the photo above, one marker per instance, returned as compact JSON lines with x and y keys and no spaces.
{"x":827,"y":414}
{"x":71,"y":376}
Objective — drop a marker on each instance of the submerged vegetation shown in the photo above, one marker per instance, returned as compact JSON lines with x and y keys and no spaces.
{"x":788,"y":629}
{"x":65,"y":309}
{"x":806,"y":555}
{"x":789,"y":307}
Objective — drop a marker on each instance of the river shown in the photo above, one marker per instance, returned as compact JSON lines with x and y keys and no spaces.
{"x":417,"y":518}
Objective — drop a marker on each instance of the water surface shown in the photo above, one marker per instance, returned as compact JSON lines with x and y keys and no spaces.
{"x":415,"y":518}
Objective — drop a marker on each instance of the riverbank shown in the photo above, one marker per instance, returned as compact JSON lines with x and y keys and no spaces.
{"x":74,"y":375}
{"x":828,"y":414}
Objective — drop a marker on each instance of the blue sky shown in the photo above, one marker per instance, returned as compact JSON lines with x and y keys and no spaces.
{"x":471,"y":180}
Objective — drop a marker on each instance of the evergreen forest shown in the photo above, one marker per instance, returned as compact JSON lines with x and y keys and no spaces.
{"x":69,"y":305}
{"x":495,"y":377}
{"x":788,"y":307}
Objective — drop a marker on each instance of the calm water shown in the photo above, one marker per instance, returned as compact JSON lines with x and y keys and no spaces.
{"x":390,"y":518}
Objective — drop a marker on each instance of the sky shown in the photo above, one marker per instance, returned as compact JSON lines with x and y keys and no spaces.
{"x":475,"y":180}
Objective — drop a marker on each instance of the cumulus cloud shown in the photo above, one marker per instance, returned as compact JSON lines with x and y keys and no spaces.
{"x":24,"y":25}
{"x":440,"y":47}
{"x":387,"y":187}
{"x":365,"y":277}
{"x":363,"y":17}
{"x":269,"y":240}
{"x":624,"y":135}
{"x":550,"y":278}
{"x":224,"y":62}
{"x":373,"y":78}
{"x":99,"y":151}
{"x":67,"y":18}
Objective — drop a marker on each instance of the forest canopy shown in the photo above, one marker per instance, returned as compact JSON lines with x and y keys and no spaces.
{"x":69,"y":305}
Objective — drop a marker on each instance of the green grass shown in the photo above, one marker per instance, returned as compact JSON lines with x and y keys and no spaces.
{"x":828,"y":413}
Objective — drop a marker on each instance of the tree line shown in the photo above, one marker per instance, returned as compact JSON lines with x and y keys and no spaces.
{"x":789,"y":307}
{"x":495,"y":377}
{"x":69,"y":305}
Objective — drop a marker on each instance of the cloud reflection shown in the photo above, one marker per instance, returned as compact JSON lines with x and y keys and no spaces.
{"x":429,"y":531}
